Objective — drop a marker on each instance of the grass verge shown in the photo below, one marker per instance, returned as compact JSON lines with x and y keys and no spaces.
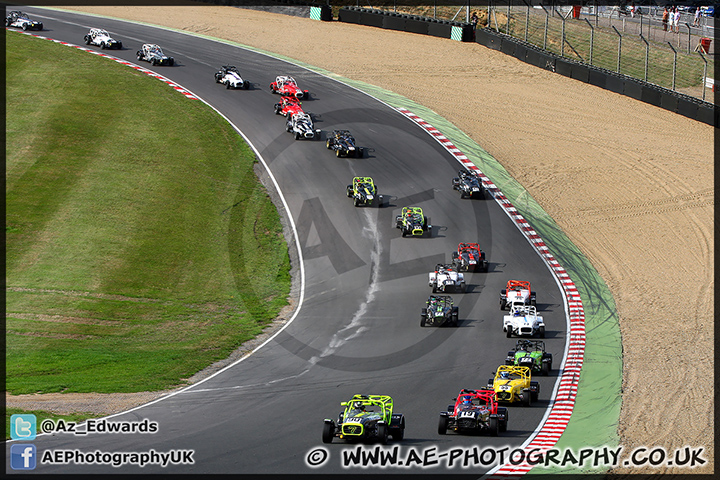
{"x":141,"y":246}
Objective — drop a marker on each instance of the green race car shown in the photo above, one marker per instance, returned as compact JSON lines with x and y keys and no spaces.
{"x":412,"y":221}
{"x":363,"y":191}
{"x":531,"y":353}
{"x":366,"y":418}
{"x":439,"y":311}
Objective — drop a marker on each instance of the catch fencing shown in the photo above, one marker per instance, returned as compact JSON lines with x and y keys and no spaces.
{"x":636,"y":45}
{"x":607,"y":37}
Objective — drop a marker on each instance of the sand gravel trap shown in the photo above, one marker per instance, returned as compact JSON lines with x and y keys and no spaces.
{"x":630,"y":184}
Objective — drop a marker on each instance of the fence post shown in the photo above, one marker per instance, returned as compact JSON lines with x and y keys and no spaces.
{"x":592,"y":38}
{"x":527,"y":20}
{"x":674,"y":64}
{"x":689,"y":34}
{"x":704,"y":84}
{"x":507,"y":25}
{"x":547,"y":19}
{"x":562,"y":34}
{"x":619,"y":47}
{"x":597,"y":14}
{"x":647,"y":54}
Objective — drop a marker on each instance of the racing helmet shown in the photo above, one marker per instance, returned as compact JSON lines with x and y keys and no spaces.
{"x":505,"y":375}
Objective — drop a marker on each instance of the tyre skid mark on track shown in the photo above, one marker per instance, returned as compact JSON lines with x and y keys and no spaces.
{"x":556,"y":419}
{"x":174,"y":85}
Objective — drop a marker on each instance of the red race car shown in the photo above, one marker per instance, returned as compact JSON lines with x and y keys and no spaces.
{"x":468,"y":257}
{"x":285,"y":85}
{"x":288,"y":106}
{"x":475,"y":411}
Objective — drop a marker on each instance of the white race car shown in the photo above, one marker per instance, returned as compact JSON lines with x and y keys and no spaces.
{"x":301,"y":125}
{"x":523,"y":321}
{"x":153,"y":53}
{"x":229,"y":76}
{"x":516,"y":291}
{"x":19,"y":19}
{"x":445,"y":278}
{"x":101,"y":38}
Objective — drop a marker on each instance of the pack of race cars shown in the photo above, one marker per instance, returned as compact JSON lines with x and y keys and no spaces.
{"x":371,"y":418}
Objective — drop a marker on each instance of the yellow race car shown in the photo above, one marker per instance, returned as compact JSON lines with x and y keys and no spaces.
{"x":363,"y":191}
{"x":512,"y":384}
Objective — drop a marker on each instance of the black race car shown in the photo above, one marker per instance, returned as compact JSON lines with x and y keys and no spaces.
{"x":344,"y":144}
{"x":468,"y":184}
{"x":531,"y":353}
{"x":366,"y":418}
{"x":19,"y":19}
{"x":439,"y":311}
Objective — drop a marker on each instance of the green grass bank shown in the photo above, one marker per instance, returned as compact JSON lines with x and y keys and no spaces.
{"x":141,"y":246}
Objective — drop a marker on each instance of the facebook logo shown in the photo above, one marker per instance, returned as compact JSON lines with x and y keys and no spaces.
{"x":22,"y":457}
{"x":23,"y":427}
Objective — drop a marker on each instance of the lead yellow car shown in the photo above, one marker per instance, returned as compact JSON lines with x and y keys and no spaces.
{"x":513,"y":384}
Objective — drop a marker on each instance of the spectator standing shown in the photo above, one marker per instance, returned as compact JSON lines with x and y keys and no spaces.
{"x":676,"y":20}
{"x":696,"y":22}
{"x":474,"y":20}
{"x":665,"y":16}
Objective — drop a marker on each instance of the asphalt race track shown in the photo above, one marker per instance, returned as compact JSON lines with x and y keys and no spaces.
{"x":358,"y":329}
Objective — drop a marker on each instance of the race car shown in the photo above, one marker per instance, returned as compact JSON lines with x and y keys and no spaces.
{"x":531,"y":353}
{"x":344,"y":144}
{"x":468,"y":257}
{"x":229,"y":76}
{"x":468,"y":185}
{"x":475,"y":411}
{"x":445,"y":278}
{"x":101,"y":38}
{"x":439,"y":311}
{"x":516,"y":291}
{"x":513,"y":384}
{"x":523,"y":321}
{"x":286,"y":85}
{"x":301,"y":125}
{"x":363,"y":191}
{"x":288,"y":106}
{"x":19,"y":19}
{"x":366,"y":418}
{"x":153,"y":53}
{"x":412,"y":222}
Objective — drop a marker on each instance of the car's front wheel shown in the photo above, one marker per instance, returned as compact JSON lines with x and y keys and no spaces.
{"x":442,"y":425}
{"x":328,"y":433}
{"x":383,"y":434}
{"x":494,"y":426}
